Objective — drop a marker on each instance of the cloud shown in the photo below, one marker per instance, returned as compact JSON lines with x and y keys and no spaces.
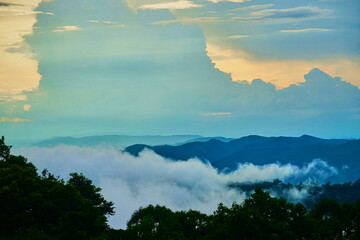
{"x":67,"y":29}
{"x":131,"y":182}
{"x":289,"y":14}
{"x":215,"y":114}
{"x":296,"y":13}
{"x":19,"y":69}
{"x":162,"y":63}
{"x":17,"y":11}
{"x":298,"y":195}
{"x":23,"y":10}
{"x":27,"y":107}
{"x":109,"y":22}
{"x":182,"y":4}
{"x":252,"y":7}
{"x":315,"y":92}
{"x":14,"y":120}
{"x":315,"y":170}
{"x":280,"y":72}
{"x":106,"y":22}
{"x":6,"y":4}
{"x":306,"y":30}
{"x":188,"y":20}
{"x":237,"y":36}
{"x":235,"y":1}
{"x":19,"y":74}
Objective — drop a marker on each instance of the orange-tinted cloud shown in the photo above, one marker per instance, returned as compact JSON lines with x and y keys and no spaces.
{"x":18,"y":71}
{"x":280,"y":72}
{"x":14,"y":120}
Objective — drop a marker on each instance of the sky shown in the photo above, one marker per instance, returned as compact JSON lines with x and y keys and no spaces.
{"x":209,"y":67}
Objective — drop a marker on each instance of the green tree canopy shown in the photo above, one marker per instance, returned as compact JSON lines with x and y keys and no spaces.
{"x":45,"y":207}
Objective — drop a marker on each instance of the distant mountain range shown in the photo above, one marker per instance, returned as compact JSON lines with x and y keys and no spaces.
{"x":118,"y":140}
{"x":205,"y":139}
{"x":225,"y":153}
{"x":341,"y":153}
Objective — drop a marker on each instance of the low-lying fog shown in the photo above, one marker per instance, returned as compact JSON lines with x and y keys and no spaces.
{"x":131,"y":182}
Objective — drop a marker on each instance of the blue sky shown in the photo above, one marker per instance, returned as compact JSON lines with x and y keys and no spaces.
{"x":185,"y":67}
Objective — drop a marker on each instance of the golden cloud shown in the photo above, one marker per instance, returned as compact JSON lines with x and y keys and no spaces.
{"x":280,"y":72}
{"x":18,"y":71}
{"x":14,"y":120}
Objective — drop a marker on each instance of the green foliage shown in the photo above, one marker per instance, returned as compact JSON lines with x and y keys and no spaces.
{"x":45,"y":207}
{"x":259,"y":217}
{"x":340,"y":192}
{"x":161,"y":223}
{"x":91,"y":192}
{"x":4,"y":149}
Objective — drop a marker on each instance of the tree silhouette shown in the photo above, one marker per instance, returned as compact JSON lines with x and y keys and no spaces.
{"x":45,"y":207}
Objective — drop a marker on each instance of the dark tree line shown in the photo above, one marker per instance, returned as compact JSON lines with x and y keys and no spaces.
{"x":259,"y":217}
{"x":44,"y":207}
{"x":347,"y":192}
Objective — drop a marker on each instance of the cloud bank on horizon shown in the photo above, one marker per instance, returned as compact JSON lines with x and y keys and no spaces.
{"x":131,"y":182}
{"x":134,"y":67}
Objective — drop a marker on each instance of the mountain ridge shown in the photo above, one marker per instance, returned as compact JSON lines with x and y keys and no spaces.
{"x":116,"y":140}
{"x":261,"y":150}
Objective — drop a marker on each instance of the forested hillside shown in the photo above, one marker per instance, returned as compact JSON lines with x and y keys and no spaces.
{"x":44,"y":207}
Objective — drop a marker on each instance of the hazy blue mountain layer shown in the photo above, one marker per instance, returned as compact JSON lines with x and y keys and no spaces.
{"x":341,"y":153}
{"x":117,"y":140}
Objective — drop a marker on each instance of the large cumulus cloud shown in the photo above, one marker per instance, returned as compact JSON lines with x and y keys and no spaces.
{"x":131,"y":77}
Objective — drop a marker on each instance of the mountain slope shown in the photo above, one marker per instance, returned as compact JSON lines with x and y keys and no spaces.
{"x":341,"y":153}
{"x":116,"y":140}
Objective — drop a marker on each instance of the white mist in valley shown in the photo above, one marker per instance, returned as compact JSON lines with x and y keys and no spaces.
{"x":131,"y":182}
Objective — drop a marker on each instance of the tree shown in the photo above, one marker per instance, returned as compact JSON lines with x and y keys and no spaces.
{"x":153,"y":222}
{"x":44,"y":207}
{"x":91,"y":192}
{"x":4,"y":149}
{"x":330,"y":217}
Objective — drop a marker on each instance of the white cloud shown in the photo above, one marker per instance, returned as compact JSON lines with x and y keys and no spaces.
{"x":182,"y":4}
{"x":131,"y":182}
{"x":67,"y":29}
{"x":105,"y":22}
{"x":109,"y":22}
{"x":306,"y":30}
{"x":298,"y":195}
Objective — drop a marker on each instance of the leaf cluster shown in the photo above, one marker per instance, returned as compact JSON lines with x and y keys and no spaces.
{"x":259,"y":217}
{"x":43,"y":206}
